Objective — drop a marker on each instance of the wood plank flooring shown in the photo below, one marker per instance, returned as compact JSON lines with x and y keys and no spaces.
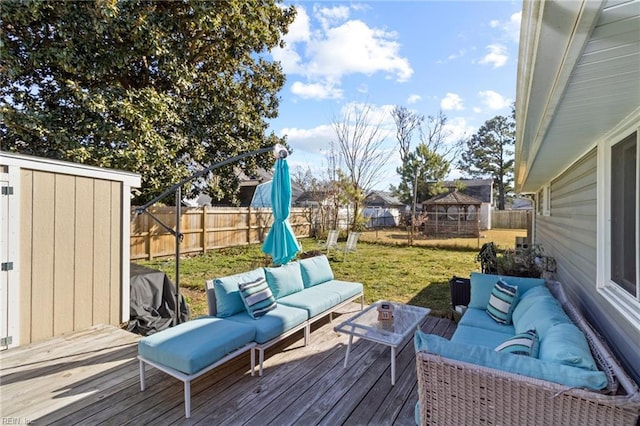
{"x":91,"y":377}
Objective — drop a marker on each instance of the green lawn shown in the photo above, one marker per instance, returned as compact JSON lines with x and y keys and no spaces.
{"x":413,"y":275}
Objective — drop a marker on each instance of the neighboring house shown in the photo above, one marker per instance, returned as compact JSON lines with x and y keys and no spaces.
{"x":577,"y":136}
{"x":480,"y":189}
{"x":382,"y":209}
{"x":65,"y":247}
{"x":382,"y":199}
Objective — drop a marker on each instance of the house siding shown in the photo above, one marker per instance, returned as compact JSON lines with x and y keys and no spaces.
{"x":569,"y":235}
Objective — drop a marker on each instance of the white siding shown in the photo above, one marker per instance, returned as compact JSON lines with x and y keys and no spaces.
{"x":569,"y":235}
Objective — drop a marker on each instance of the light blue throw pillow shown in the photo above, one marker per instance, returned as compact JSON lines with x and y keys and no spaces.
{"x":257,"y":297}
{"x":566,"y":344}
{"x":542,"y":315}
{"x":284,"y":280}
{"x":528,"y":299}
{"x":315,"y":270}
{"x":228,"y":300}
{"x":524,"y":365}
{"x":502,"y":301}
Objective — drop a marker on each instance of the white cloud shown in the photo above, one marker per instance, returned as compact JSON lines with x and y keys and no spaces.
{"x":320,"y":90}
{"x":458,"y":128}
{"x":339,"y":46}
{"x":331,"y":16}
{"x":412,"y":99}
{"x":494,"y":100}
{"x":354,"y":47}
{"x":497,"y":55}
{"x":451,"y":101}
{"x":510,"y":28}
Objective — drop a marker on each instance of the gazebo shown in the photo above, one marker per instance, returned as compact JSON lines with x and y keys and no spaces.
{"x":452,"y":214}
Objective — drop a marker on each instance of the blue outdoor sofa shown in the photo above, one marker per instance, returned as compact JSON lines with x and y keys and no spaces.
{"x":250,"y":311}
{"x":521,"y":354}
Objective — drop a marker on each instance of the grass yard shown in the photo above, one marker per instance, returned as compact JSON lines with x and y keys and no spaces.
{"x":384,"y":264}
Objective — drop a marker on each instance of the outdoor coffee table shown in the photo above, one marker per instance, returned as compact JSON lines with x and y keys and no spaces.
{"x":391,"y":333}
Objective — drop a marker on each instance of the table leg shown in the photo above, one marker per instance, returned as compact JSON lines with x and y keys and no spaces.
{"x":346,"y":357}
{"x":393,"y":365}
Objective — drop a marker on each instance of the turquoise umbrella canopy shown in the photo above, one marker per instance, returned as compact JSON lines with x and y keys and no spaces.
{"x":281,"y":242}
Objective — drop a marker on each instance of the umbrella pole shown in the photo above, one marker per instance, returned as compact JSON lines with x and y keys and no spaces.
{"x":176,"y":319}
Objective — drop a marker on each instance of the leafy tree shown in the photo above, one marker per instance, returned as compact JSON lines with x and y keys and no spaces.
{"x":490,"y":152}
{"x":159,"y":88}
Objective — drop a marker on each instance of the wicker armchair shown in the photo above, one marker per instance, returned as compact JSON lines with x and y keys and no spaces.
{"x":453,"y":392}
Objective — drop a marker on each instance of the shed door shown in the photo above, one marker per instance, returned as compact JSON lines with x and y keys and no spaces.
{"x":6,"y":264}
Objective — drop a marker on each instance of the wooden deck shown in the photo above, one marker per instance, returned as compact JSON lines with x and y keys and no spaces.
{"x":91,"y":377}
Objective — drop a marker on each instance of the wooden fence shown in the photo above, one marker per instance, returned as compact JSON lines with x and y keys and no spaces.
{"x":206,"y":228}
{"x":511,"y":219}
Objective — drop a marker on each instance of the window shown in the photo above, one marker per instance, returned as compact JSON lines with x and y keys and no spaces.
{"x":543,"y":199}
{"x":624,"y":215}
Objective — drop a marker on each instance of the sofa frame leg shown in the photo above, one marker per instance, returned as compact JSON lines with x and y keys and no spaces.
{"x":142,"y":376}
{"x":187,"y":398}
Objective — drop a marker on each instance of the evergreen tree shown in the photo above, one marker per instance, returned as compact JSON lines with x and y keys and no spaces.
{"x":490,"y":153}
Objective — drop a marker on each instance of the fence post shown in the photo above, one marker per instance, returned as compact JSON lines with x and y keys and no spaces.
{"x":204,"y":229}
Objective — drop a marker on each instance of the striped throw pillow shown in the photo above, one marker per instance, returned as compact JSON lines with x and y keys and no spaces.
{"x":521,"y":344}
{"x":502,"y":301}
{"x":257,"y":297}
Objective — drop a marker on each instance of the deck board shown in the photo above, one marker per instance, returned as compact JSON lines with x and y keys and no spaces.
{"x":91,"y":377}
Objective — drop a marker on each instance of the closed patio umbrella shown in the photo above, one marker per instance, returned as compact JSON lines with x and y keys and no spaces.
{"x":281,"y":241}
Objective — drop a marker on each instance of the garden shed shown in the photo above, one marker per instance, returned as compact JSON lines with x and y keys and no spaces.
{"x":65,"y":247}
{"x":452,"y":214}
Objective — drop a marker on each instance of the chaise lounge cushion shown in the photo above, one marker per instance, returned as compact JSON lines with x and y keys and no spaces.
{"x":227,"y":296}
{"x":345,"y":289}
{"x":315,"y":270}
{"x":284,"y":280}
{"x":193,"y":345}
{"x":274,"y":323}
{"x":482,"y":285}
{"x":314,"y":300}
{"x":528,"y":366}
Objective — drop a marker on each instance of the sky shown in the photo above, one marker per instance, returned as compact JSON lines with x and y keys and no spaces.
{"x":458,"y":57}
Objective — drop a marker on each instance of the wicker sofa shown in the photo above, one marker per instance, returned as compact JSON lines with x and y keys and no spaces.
{"x":465,"y":381}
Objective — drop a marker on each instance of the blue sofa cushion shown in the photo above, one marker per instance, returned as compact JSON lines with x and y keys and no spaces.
{"x":482,"y":284}
{"x":479,"y":336}
{"x":283,"y":318}
{"x":284,"y":280}
{"x":566,"y":344}
{"x":528,"y":299}
{"x":521,"y":344}
{"x":542,"y":315}
{"x":257,"y":297}
{"x":345,"y":289}
{"x":227,"y":296}
{"x":528,"y":366}
{"x":479,"y":318}
{"x":314,"y":300}
{"x":502,"y":301}
{"x":193,"y":345}
{"x":315,"y":270}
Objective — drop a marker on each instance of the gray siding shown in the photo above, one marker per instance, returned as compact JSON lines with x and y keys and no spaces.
{"x":569,"y":235}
